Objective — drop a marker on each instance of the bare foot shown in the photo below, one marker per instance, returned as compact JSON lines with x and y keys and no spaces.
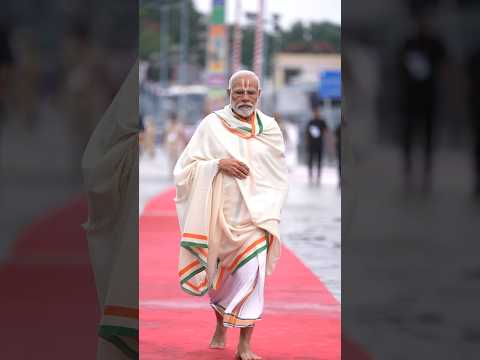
{"x":218,"y":339}
{"x":247,"y":355}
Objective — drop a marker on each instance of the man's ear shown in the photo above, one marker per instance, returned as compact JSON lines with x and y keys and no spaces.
{"x":228,"y":92}
{"x":259,"y":92}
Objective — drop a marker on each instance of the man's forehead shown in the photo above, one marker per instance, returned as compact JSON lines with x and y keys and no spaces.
{"x":245,"y":81}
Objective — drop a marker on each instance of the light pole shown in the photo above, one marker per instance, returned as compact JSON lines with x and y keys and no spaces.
{"x":164,"y":43}
{"x":183,"y":68}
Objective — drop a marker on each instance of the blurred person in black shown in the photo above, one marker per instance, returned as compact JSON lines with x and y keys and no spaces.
{"x":474,"y":87}
{"x":422,"y":57}
{"x":338,"y":145}
{"x":315,"y":132}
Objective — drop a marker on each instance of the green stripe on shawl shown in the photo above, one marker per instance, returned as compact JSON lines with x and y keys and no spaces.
{"x":192,"y":274}
{"x":112,"y":334}
{"x":250,"y":257}
{"x":260,"y":124}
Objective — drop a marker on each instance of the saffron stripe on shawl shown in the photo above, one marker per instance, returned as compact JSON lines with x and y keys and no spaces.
{"x":245,"y":131}
{"x":241,"y":131}
{"x":250,"y":250}
{"x":189,"y":288}
{"x":191,"y":273}
{"x":194,"y":240}
{"x":219,"y":277}
{"x":199,"y":287}
{"x":195,"y":236}
{"x":251,"y":256}
{"x":188,"y":267}
{"x":121,"y":311}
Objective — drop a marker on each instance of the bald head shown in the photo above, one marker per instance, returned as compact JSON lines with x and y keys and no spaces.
{"x":244,"y":91}
{"x":243,"y":74}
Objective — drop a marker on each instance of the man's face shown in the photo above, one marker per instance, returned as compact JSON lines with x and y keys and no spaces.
{"x":244,"y":95}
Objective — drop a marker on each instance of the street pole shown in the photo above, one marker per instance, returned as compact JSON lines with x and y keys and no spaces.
{"x":165,"y":25}
{"x":258,"y":53}
{"x":164,"y":57}
{"x":183,"y":69}
{"x":237,"y":40}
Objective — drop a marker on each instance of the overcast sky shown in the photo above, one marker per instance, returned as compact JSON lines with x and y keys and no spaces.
{"x":290,"y":10}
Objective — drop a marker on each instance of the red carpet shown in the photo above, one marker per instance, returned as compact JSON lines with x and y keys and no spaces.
{"x":301,"y":318}
{"x":49,"y":305}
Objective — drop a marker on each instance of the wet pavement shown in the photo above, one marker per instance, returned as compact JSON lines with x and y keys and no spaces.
{"x":311,"y":225}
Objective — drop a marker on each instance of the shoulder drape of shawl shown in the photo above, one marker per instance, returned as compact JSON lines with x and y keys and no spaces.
{"x":110,"y":167}
{"x":198,"y":198}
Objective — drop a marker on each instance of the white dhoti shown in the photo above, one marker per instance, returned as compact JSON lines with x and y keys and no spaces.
{"x":237,"y":293}
{"x":239,"y":299}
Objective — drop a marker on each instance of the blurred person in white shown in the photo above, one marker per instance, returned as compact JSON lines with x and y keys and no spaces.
{"x":231,"y":185}
{"x":175,"y":140}
{"x":149,"y":136}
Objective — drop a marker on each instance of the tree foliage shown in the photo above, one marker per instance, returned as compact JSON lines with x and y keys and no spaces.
{"x":301,"y":36}
{"x":150,"y":28}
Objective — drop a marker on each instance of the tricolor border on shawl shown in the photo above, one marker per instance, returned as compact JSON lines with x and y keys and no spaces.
{"x":245,"y":132}
{"x":193,"y":278}
{"x":249,"y":253}
{"x":197,"y":245}
{"x":115,"y":334}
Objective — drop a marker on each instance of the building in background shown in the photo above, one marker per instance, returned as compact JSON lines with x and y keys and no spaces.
{"x":294,"y":68}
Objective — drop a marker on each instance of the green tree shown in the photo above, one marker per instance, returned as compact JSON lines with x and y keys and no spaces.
{"x":328,"y":32}
{"x":150,"y":27}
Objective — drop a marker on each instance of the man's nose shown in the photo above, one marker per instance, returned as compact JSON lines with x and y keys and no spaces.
{"x":244,"y":96}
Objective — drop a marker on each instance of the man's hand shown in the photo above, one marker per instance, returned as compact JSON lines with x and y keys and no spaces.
{"x":233,"y":168}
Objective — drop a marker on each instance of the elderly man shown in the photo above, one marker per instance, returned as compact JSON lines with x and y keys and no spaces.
{"x":231,"y":183}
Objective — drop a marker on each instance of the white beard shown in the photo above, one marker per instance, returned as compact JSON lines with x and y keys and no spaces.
{"x":243,"y":111}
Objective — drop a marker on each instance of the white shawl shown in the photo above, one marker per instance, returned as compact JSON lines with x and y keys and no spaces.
{"x":199,"y":190}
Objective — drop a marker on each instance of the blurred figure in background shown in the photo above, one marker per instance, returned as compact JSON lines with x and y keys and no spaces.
{"x":473,"y":72}
{"x":290,"y":139}
{"x":149,"y":136}
{"x":421,"y":59}
{"x":338,"y":145}
{"x":83,"y":97}
{"x":315,"y":133}
{"x":175,"y":138}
